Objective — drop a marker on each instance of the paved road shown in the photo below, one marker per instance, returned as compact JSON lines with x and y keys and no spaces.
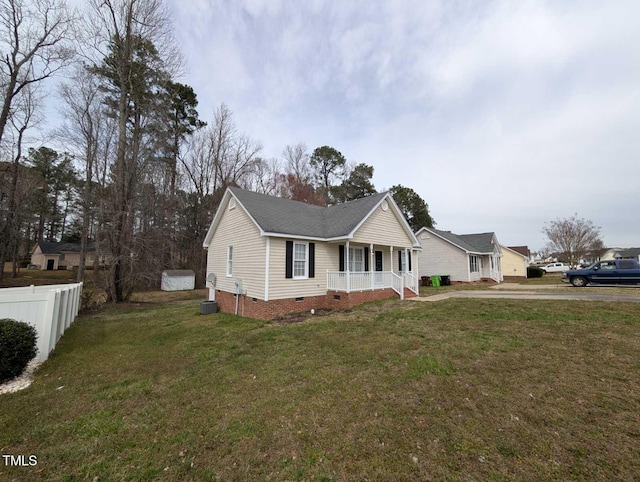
{"x":558,"y":292}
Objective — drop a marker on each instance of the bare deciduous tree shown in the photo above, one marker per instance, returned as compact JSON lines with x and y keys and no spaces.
{"x":25,"y":115}
{"x":296,"y":158}
{"x":34,"y":41}
{"x":216,"y":156}
{"x":265,"y":177}
{"x":83,"y":130}
{"x":573,"y":238}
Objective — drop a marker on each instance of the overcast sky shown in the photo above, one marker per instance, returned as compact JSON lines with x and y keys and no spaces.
{"x":502,"y":115}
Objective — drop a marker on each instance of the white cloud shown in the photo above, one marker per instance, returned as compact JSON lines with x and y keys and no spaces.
{"x":479,"y":106}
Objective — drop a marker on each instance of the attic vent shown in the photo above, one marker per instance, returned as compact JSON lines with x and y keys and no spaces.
{"x":424,"y":236}
{"x":384,"y":206}
{"x":232,"y":204}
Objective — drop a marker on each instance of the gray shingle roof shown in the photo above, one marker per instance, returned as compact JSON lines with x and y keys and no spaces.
{"x":482,"y":242}
{"x":284,"y":216}
{"x":629,"y":253}
{"x":57,"y":248}
{"x":49,"y":247}
{"x":476,"y":243}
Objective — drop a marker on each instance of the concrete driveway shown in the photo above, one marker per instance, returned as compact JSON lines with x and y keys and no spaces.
{"x":539,"y":292}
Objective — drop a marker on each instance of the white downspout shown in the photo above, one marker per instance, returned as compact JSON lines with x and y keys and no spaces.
{"x":266,"y":270}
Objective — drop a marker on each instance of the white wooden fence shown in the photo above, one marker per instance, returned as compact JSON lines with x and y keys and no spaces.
{"x":50,"y":309}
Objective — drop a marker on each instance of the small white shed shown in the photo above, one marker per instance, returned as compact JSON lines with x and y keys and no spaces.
{"x":178,"y":280}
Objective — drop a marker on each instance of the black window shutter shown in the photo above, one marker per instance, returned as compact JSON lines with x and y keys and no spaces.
{"x":341,"y":254}
{"x":367,"y":255}
{"x":400,"y":261}
{"x":409,"y":253}
{"x":312,"y":260}
{"x":289,"y":260}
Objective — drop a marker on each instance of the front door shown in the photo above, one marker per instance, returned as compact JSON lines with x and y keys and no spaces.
{"x":378,"y":280}
{"x":50,"y":264}
{"x":378,"y":260}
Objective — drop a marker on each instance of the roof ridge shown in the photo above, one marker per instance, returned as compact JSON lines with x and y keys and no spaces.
{"x":287,"y":216}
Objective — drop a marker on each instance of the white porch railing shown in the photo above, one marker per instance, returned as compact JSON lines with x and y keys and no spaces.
{"x":374,"y":280}
{"x":411,"y":282}
{"x":398,"y":285}
{"x":339,"y":281}
{"x":495,"y":275}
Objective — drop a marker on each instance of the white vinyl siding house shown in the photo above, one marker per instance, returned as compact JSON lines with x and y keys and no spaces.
{"x":239,"y":238}
{"x":281,"y":249}
{"x":465,"y":258}
{"x":382,"y":226}
{"x":281,"y":287}
{"x":437,"y":258}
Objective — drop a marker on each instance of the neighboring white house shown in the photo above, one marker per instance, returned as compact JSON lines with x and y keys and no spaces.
{"x":611,"y":253}
{"x":631,"y":253}
{"x":514,"y":263}
{"x":272,"y":256}
{"x":464,"y":257}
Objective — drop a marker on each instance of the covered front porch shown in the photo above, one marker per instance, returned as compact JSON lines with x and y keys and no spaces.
{"x":373,"y":267}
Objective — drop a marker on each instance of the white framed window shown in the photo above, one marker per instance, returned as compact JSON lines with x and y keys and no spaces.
{"x":474,"y":263}
{"x":495,"y":263}
{"x":300,"y":260}
{"x":356,"y":260}
{"x":404,"y":264}
{"x":229,"y":261}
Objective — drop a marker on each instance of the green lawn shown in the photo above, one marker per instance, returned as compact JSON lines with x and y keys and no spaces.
{"x":547,"y":279}
{"x":460,"y":389}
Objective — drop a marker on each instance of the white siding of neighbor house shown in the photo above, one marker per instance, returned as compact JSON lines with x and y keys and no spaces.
{"x":238,"y":230}
{"x":383,"y":228}
{"x":280,"y":287}
{"x":439,"y":257}
{"x":485,"y":268}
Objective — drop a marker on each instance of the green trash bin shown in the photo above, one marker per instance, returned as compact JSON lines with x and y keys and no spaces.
{"x":435,"y":281}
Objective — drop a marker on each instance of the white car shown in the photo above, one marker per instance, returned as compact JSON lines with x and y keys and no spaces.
{"x":555,"y":268}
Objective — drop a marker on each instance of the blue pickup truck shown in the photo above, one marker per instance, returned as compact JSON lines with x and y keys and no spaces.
{"x":611,"y":271}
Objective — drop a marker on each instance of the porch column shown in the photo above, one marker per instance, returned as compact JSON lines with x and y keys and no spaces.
{"x":346,"y":264}
{"x":414,"y":260}
{"x":372,"y":260}
{"x":391,"y":256}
